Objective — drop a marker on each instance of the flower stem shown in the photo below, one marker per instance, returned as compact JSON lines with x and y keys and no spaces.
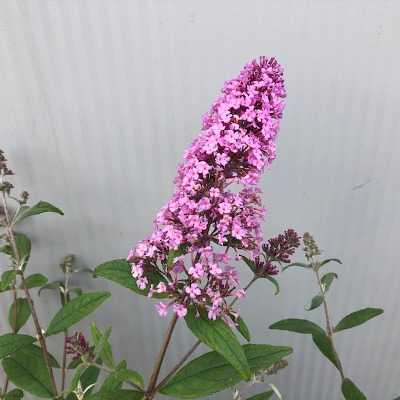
{"x":153,"y":380}
{"x":329,"y":329}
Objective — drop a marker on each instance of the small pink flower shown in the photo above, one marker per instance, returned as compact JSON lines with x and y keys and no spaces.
{"x":161,"y":288}
{"x":179,"y":309}
{"x":193,"y":291}
{"x":197,"y":271}
{"x":141,"y":283}
{"x":240,"y":293}
{"x":136,"y":270}
{"x":161,"y":309}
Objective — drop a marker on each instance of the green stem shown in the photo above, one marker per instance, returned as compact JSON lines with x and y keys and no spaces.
{"x":329,"y":329}
{"x":42,"y":341}
{"x":160,"y":358}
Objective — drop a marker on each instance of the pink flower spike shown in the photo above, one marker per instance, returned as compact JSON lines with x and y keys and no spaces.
{"x":141,"y":283}
{"x":180,"y":310}
{"x":161,"y":309}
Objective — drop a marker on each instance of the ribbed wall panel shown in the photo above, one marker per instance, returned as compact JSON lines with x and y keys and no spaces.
{"x":99,"y":100}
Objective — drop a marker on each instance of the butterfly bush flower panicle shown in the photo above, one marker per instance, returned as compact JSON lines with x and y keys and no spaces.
{"x":235,"y":145}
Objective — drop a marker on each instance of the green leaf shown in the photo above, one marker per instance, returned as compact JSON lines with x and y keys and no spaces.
{"x":38,"y":208}
{"x":323,"y":343}
{"x":29,"y":373}
{"x":75,"y":379}
{"x":297,"y":325}
{"x":34,"y":280}
{"x":176,"y":253}
{"x":351,"y":391}
{"x":6,"y":249}
{"x":14,"y":394}
{"x":121,"y":394}
{"x":297,"y":264}
{"x":119,"y":271}
{"x":357,"y":318}
{"x":7,"y":277}
{"x":75,"y":289}
{"x":23,"y":314}
{"x":250,"y":264}
{"x":262,"y":396}
{"x":36,"y":351}
{"x":211,"y":373}
{"x":241,"y":327}
{"x":273,"y":280}
{"x":327,"y":280}
{"x":328,"y":261}
{"x":129,"y":375}
{"x":102,"y":346}
{"x":89,"y":377}
{"x":219,"y":336}
{"x":77,"y":309}
{"x":12,"y":342}
{"x":111,"y":382}
{"x":58,"y":285}
{"x":24,"y":249}
{"x":316,"y":301}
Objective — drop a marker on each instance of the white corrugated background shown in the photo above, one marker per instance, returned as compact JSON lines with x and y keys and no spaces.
{"x":99,"y":100}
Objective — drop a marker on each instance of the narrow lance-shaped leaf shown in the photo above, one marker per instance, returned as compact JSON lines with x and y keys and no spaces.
{"x":327,"y":280}
{"x":329,"y":260}
{"x":119,"y":271}
{"x":89,"y":378}
{"x":316,"y":301}
{"x":262,"y":396}
{"x":102,"y":347}
{"x":298,"y":326}
{"x":129,"y":375}
{"x":250,"y":264}
{"x":241,"y":327}
{"x":219,"y":336}
{"x":273,"y":280}
{"x":297,"y":264}
{"x":58,"y":285}
{"x":77,"y":309}
{"x":211,"y":372}
{"x":102,"y":343}
{"x":23,"y":313}
{"x":357,"y":318}
{"x":24,"y":249}
{"x":12,"y":342}
{"x":7,"y":277}
{"x":351,"y":391}
{"x":38,"y":208}
{"x":77,"y":375}
{"x":323,"y":343}
{"x":34,"y":280}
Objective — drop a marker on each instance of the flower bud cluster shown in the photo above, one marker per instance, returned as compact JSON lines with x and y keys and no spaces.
{"x":78,"y":346}
{"x":236,"y":144}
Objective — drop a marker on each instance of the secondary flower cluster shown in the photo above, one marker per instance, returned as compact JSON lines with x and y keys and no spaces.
{"x":236,"y":144}
{"x":78,"y":346}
